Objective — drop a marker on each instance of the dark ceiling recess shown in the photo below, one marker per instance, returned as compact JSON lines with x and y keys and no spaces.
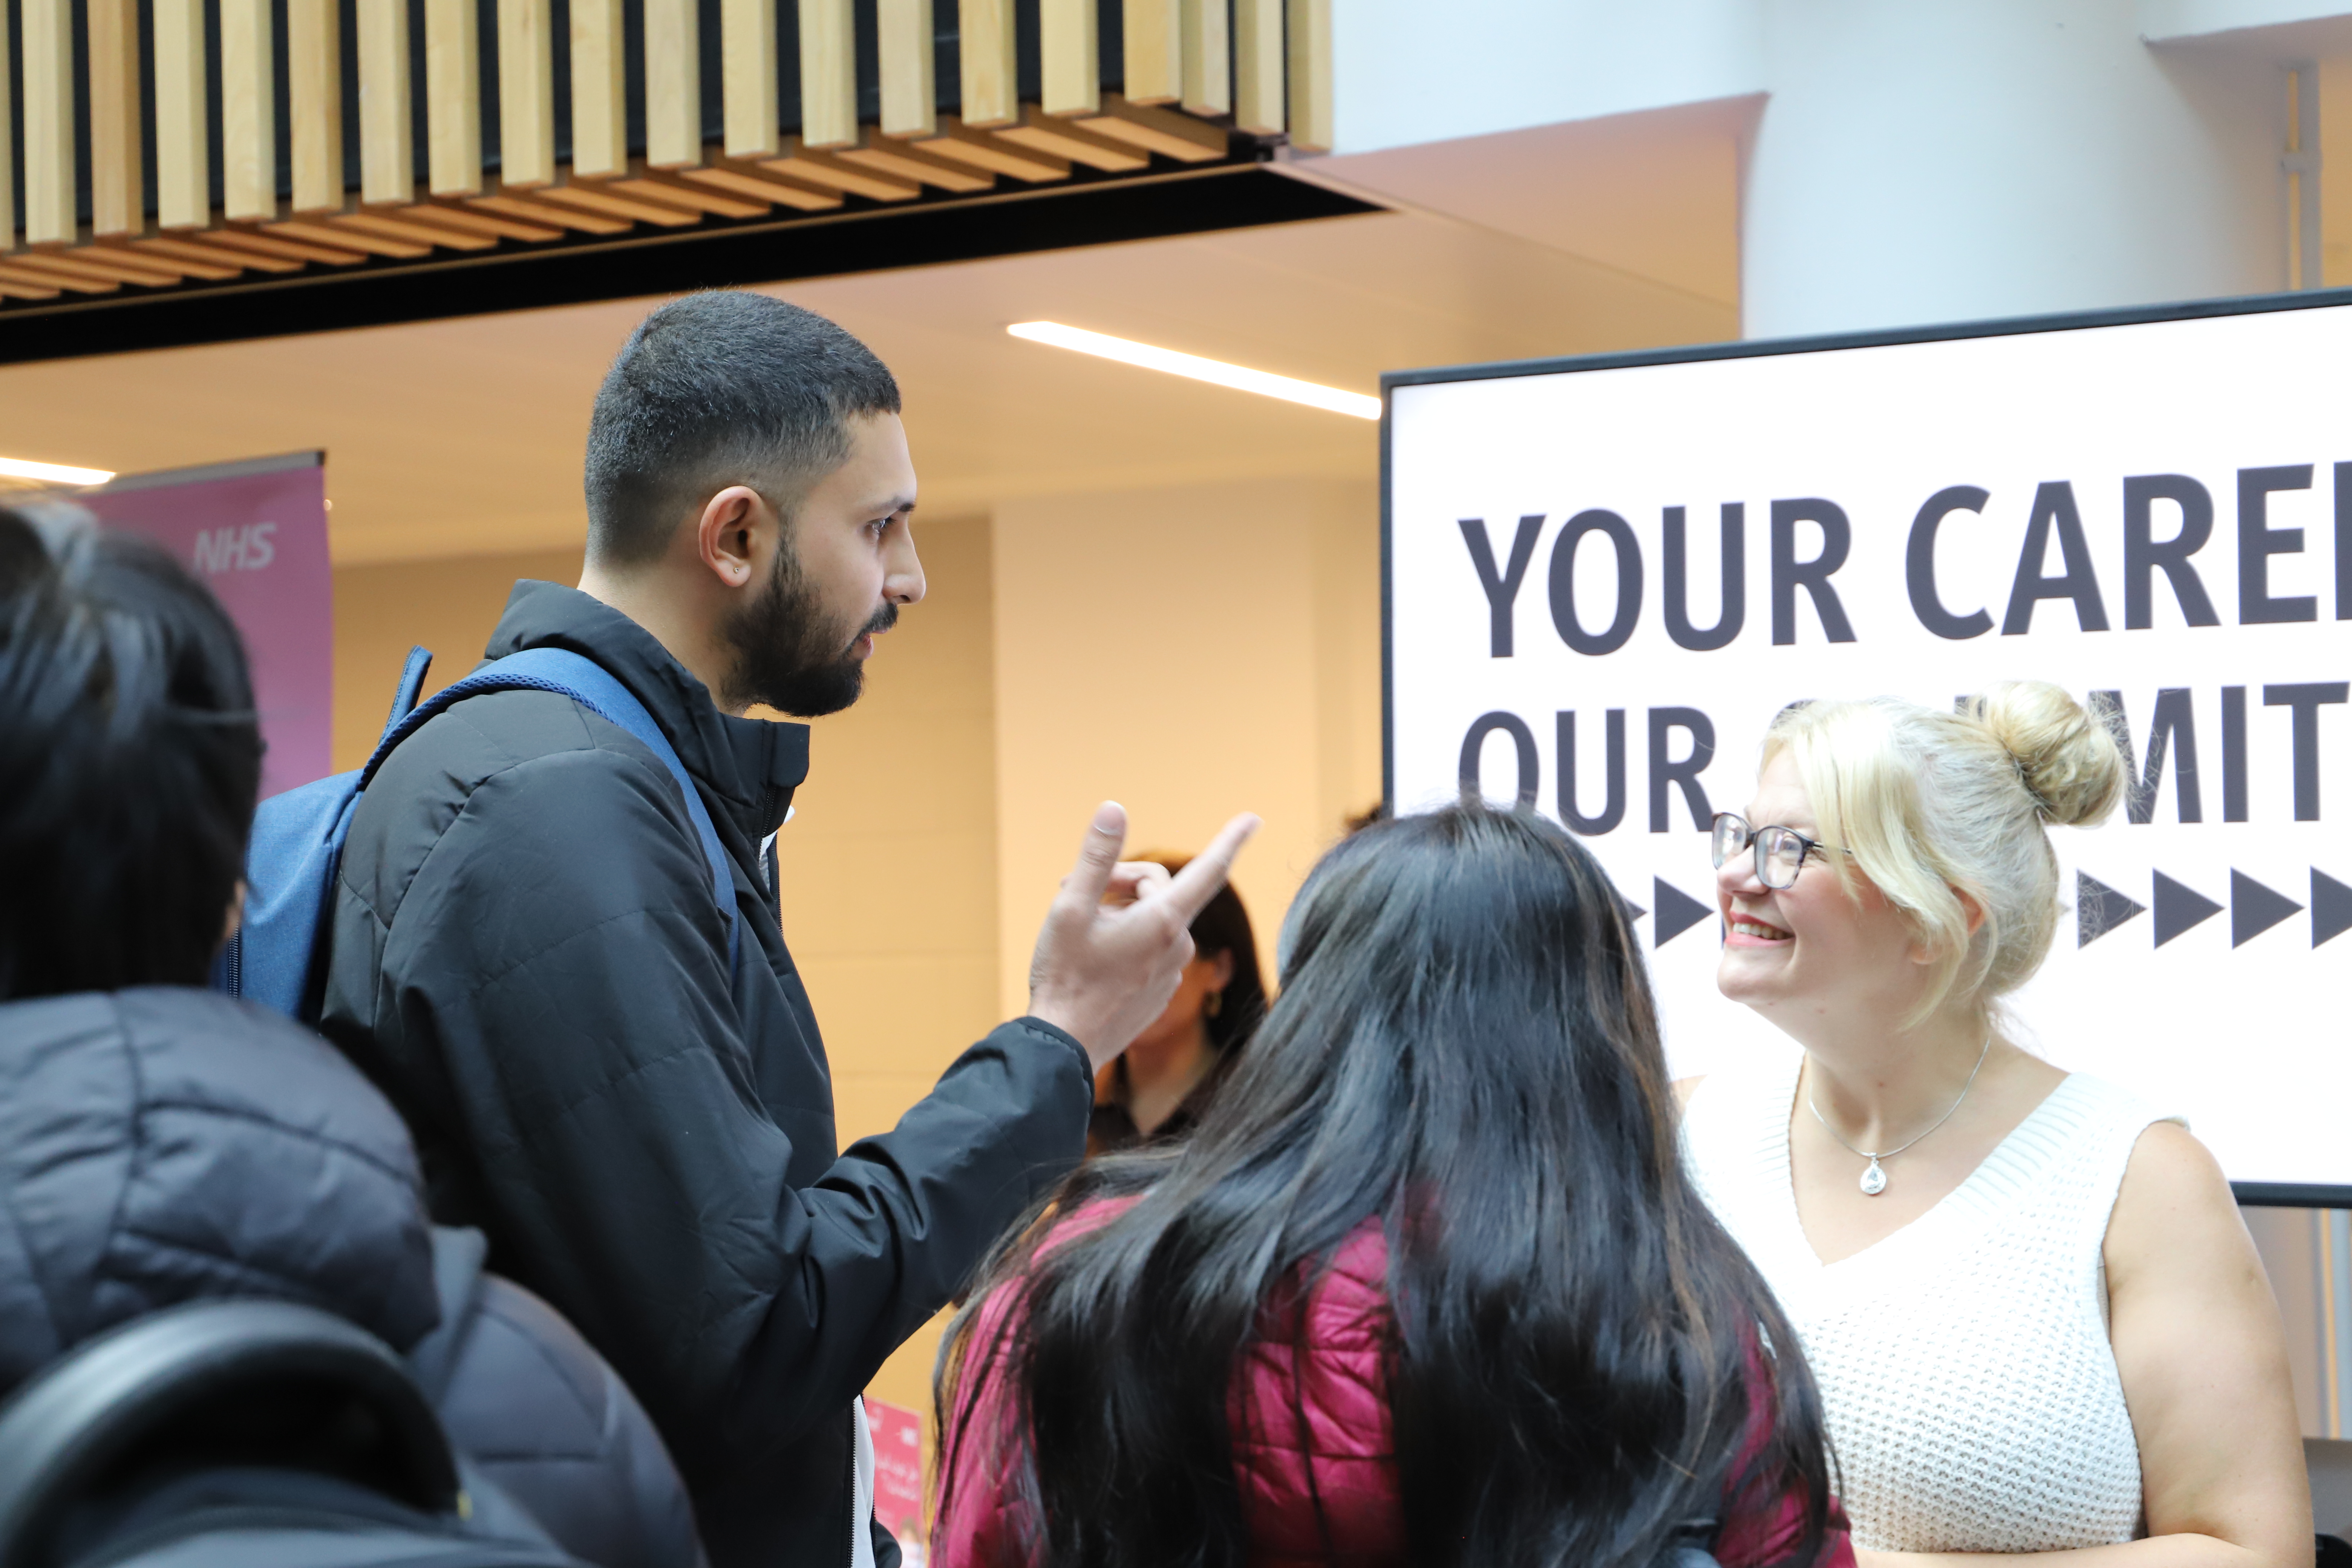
{"x":585,"y":267}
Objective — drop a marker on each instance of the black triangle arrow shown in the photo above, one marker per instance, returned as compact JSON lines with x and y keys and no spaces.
{"x":2254,"y":909}
{"x":2178,"y":908}
{"x":2331,"y":907}
{"x":2099,"y":908}
{"x":1633,"y":911}
{"x":1677,"y":911}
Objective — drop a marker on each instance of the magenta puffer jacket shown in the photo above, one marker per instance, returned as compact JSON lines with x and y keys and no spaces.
{"x":1327,"y":1420}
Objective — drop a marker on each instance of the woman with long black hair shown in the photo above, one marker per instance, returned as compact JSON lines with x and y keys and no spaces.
{"x":1427,"y":1284}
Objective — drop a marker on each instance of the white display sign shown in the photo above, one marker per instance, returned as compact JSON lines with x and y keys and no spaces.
{"x":1604,"y":577}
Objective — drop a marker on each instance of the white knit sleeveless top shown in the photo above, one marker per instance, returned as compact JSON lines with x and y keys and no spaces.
{"x":1970,"y":1391}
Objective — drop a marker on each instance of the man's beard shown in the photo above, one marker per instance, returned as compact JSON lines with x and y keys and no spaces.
{"x":789,"y":654}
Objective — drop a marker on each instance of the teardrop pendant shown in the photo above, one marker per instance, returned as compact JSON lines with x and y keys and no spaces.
{"x":1873,"y":1180}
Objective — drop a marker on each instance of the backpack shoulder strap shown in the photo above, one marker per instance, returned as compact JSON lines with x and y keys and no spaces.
{"x":584,"y":681}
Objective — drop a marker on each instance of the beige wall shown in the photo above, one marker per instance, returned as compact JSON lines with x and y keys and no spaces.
{"x":1190,"y":652}
{"x":449,"y":606}
{"x":887,"y":869}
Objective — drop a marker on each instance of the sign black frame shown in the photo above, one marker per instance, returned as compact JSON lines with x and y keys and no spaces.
{"x":2256,"y":1194}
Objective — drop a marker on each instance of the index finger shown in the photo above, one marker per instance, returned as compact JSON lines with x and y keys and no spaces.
{"x":1189,"y":891}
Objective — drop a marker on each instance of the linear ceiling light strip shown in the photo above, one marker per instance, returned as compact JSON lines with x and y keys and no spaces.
{"x":1265,"y":384}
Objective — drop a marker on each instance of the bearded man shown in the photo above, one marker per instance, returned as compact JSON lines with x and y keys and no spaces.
{"x":527,"y":953}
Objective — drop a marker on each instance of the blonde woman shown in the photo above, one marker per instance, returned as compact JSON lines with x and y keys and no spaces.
{"x":2037,"y":1321}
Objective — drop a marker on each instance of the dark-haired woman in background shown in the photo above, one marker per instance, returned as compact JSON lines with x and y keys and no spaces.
{"x":1427,"y":1284}
{"x":1158,"y":1087}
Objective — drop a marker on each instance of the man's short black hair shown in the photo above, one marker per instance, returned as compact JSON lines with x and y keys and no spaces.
{"x":130,"y":760}
{"x":718,"y":389}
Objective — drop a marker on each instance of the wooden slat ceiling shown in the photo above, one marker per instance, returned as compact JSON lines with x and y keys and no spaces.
{"x":1196,"y":88}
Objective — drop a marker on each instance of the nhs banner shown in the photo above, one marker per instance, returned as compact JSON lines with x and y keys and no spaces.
{"x":1605,"y":577}
{"x":256,"y":531}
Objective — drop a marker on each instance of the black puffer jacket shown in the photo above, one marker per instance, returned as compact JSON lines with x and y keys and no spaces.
{"x":528,"y":958}
{"x":544,"y":1418}
{"x":162,"y":1145}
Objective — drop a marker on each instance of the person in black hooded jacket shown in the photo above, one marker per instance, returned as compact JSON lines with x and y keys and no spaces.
{"x":528,"y":955}
{"x":161,"y":1143}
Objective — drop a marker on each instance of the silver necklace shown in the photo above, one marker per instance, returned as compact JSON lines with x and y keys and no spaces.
{"x":1874,"y":1180}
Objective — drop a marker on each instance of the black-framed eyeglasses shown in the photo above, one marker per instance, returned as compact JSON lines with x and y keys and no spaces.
{"x":1781,"y":852}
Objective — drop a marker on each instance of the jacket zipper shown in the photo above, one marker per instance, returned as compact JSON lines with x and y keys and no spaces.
{"x":849,"y":1485}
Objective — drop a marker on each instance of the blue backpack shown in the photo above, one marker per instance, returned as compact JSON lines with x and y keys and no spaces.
{"x":275,"y":956}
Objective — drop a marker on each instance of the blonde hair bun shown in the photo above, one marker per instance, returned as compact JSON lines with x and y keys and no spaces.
{"x":2066,"y":756}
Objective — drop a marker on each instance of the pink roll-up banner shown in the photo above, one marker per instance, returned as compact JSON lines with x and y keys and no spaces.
{"x":255,"y":532}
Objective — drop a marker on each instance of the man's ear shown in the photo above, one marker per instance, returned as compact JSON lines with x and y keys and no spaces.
{"x":734,"y":535}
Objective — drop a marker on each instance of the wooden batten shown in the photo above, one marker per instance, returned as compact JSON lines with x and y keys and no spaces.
{"x":50,"y":215}
{"x":90,"y":265}
{"x":595,"y":197}
{"x":409,"y":226}
{"x":1208,"y":57}
{"x":1258,"y":67}
{"x":207,"y":249}
{"x":677,"y":190}
{"x":7,"y":145}
{"x":118,"y":186}
{"x":817,"y":167}
{"x":1310,"y":75}
{"x":600,"y":125}
{"x":19,"y":276}
{"x":496,"y":226}
{"x":1162,"y":131}
{"x":1070,"y":54}
{"x":18,"y":285}
{"x":526,"y":93}
{"x":747,"y":57}
{"x":183,"y":173}
{"x":991,"y":67}
{"x":285,"y":248}
{"x":908,"y":163}
{"x":763,"y":184}
{"x":314,"y":54}
{"x":452,"y":97}
{"x":164,"y":266}
{"x":525,"y":207}
{"x":673,"y":84}
{"x":387,"y":164}
{"x":986,"y":150}
{"x":328,"y":235}
{"x":909,"y":67}
{"x":1152,"y":48}
{"x":828,"y":74}
{"x":1060,"y":138}
{"x":249,"y":106}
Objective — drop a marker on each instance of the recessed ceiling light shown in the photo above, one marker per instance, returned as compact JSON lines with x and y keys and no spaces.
{"x":1264,"y":382}
{"x":53,"y":473}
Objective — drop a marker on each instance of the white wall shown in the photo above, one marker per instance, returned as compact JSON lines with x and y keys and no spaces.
{"x":1407,"y":71}
{"x":1932,"y":160}
{"x":1944,"y":160}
